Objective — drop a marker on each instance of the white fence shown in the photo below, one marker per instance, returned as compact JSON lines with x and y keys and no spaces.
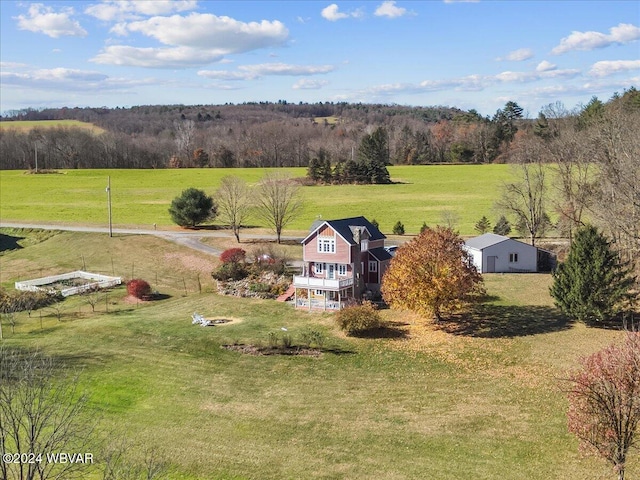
{"x":95,"y":280}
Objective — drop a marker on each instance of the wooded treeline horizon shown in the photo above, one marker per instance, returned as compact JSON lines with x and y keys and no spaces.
{"x":265,"y":134}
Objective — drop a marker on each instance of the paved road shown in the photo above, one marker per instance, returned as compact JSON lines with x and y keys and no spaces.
{"x":190,"y":239}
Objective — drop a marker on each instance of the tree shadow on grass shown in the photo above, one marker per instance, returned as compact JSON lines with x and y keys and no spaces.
{"x":499,"y":321}
{"x":388,"y":330}
{"x":9,"y":242}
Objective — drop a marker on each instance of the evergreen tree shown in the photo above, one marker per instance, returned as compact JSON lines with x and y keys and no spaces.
{"x":503,"y":227}
{"x":541,"y":127}
{"x":313,"y":172}
{"x":592,"y":283}
{"x":398,"y":228}
{"x":192,"y":207}
{"x":483,"y":225}
{"x":375,"y":223}
{"x":373,"y":157}
{"x":424,"y":227}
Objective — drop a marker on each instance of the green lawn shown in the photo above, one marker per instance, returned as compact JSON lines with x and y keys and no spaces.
{"x":479,"y":397}
{"x":142,"y":197}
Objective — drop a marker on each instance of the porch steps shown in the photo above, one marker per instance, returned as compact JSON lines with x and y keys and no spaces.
{"x":288,"y":294}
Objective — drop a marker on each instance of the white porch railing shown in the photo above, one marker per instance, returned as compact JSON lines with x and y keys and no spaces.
{"x":322,"y":283}
{"x":318,"y":304}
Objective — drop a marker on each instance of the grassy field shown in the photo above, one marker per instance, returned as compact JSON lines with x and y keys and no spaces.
{"x":27,"y":125}
{"x":142,"y":197}
{"x":479,"y":397}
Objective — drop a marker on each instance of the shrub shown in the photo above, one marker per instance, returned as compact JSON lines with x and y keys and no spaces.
{"x":398,"y":228}
{"x":358,"y":318}
{"x":233,"y":255}
{"x":139,"y":288}
{"x":230,"y":271}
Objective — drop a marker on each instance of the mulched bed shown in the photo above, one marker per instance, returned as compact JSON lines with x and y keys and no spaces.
{"x":260,"y":351}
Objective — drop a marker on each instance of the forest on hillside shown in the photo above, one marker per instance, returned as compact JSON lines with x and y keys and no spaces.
{"x":280,"y":134}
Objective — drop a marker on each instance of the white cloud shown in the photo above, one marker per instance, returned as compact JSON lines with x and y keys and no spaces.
{"x":197,"y":39}
{"x":610,"y":67}
{"x":176,"y":57}
{"x":110,"y":10}
{"x":212,"y":32}
{"x":517,"y":55}
{"x":622,"y":34}
{"x":388,"y":9}
{"x":251,"y":72}
{"x":308,"y":84}
{"x":545,"y":66}
{"x":333,"y":13}
{"x":42,"y":19}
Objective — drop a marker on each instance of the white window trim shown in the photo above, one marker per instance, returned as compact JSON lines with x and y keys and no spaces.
{"x":342,"y":269}
{"x":364,"y":245}
{"x":373,"y":266}
{"x":513,"y":257}
{"x":318,"y":268}
{"x":326,"y":244}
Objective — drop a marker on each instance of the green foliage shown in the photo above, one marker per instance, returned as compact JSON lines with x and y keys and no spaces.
{"x":358,"y":318}
{"x":592,"y":284}
{"x":375,"y":223}
{"x":424,"y":227}
{"x":398,"y":228}
{"x":230,"y":271}
{"x":503,"y":227}
{"x":483,"y":225}
{"x":192,"y":207}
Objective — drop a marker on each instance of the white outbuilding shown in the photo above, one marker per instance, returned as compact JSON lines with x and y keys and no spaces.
{"x":498,"y":254}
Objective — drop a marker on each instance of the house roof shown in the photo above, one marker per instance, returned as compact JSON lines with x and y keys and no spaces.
{"x":380,"y":254}
{"x":488,"y":240}
{"x":345,"y":228}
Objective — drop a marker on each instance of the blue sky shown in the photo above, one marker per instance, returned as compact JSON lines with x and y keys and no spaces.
{"x":466,"y":54}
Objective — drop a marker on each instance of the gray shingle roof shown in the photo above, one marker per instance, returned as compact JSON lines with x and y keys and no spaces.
{"x":344,"y":228}
{"x":484,"y":241}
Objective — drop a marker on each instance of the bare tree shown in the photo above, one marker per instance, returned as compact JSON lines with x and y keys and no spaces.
{"x":525,"y":198}
{"x":41,"y":412}
{"x":278,"y":201}
{"x":185,"y":136}
{"x":234,"y":203}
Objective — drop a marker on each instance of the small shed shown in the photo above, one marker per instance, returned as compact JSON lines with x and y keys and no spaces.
{"x":499,"y":254}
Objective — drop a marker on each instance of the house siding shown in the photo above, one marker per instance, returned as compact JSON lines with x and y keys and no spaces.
{"x":342,"y":254}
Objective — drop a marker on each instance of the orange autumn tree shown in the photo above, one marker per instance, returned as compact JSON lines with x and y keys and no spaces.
{"x":431,"y":275}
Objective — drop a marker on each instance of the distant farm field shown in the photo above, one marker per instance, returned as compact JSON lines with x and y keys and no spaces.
{"x":142,"y":197}
{"x":27,"y":125}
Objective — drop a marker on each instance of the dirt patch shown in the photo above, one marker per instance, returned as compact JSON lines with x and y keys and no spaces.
{"x":221,"y":321}
{"x":192,"y":262}
{"x":262,"y":351}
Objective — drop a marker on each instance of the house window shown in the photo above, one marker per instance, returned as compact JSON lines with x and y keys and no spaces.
{"x":342,"y":270}
{"x":373,"y":266}
{"x":513,"y":258}
{"x":320,"y":293}
{"x":318,"y":268}
{"x":364,"y":245}
{"x":326,"y":245}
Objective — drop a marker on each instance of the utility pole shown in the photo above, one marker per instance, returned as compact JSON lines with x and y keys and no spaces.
{"x":109,"y":204}
{"x":36,"y":147}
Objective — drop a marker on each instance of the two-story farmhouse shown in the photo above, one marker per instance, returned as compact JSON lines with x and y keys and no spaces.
{"x":342,"y":259}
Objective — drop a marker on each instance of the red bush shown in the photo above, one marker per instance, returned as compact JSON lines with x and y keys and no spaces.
{"x":233,"y":255}
{"x":139,"y":288}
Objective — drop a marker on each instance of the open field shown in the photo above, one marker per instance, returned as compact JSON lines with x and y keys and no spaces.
{"x":479,"y":397}
{"x":27,"y":125}
{"x":142,"y":197}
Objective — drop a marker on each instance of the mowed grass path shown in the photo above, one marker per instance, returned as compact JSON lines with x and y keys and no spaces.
{"x":142,"y":197}
{"x":479,"y":397}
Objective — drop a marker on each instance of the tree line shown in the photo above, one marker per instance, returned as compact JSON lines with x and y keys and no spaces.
{"x":256,"y":135}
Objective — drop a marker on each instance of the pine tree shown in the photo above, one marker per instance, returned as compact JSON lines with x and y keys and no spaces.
{"x":592,"y":284}
{"x":398,"y":228}
{"x":503,"y":227}
{"x":424,"y":227}
{"x":483,"y":225}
